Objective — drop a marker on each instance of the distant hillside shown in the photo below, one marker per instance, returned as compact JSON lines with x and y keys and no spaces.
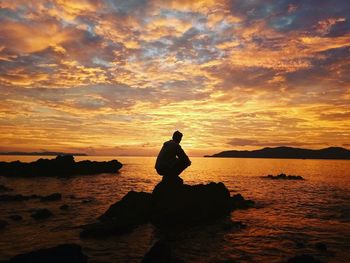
{"x":42,"y":153}
{"x":288,"y":152}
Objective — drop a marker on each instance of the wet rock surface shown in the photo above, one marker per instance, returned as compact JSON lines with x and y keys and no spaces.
{"x":171,"y":203}
{"x":67,"y":253}
{"x":283,"y":176}
{"x":62,"y":166}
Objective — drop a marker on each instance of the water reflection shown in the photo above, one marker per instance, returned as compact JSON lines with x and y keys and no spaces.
{"x":288,"y":213}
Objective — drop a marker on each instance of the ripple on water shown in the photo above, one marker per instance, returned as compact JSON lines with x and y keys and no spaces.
{"x":290,"y":216}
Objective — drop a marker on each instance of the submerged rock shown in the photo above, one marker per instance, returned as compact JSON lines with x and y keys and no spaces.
{"x":41,"y":213}
{"x":64,"y":207}
{"x":16,"y":217}
{"x":4,"y":188}
{"x":18,"y":197}
{"x":171,"y":203}
{"x":3,"y":224}
{"x":321,"y":246}
{"x":62,"y":165}
{"x":284,"y":177}
{"x":305,"y":258}
{"x":67,"y":253}
{"x":51,"y":197}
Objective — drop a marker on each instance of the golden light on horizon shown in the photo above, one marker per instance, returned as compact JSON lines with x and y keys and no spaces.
{"x":116,"y":77}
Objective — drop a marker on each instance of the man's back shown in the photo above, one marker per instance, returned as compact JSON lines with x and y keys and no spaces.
{"x":167,"y":155}
{"x":172,"y":160}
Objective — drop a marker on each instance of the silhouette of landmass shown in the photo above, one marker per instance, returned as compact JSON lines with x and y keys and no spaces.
{"x":288,"y":153}
{"x":42,"y":153}
{"x":62,"y":165}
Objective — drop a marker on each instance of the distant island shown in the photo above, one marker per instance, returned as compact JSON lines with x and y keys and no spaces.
{"x":288,"y":153}
{"x":42,"y":153}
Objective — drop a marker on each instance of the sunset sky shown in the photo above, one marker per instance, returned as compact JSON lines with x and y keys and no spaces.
{"x":118,"y":77}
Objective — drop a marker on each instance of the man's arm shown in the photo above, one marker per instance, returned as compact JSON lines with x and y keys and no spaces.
{"x":182,"y":155}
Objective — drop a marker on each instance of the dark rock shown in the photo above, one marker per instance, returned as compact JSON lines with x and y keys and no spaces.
{"x":64,"y":207}
{"x":3,"y":224}
{"x":321,"y":246}
{"x":171,"y":203}
{"x":16,"y":217}
{"x":123,"y":216}
{"x":284,"y":177}
{"x":229,"y":225}
{"x":299,"y":245}
{"x":4,"y":188}
{"x":62,"y":165}
{"x":67,"y":253}
{"x":41,"y":213}
{"x":134,"y":205}
{"x":51,"y":197}
{"x":238,"y":202}
{"x":305,"y":258}
{"x":18,"y":197}
{"x":188,"y":205}
{"x":160,"y":253}
{"x":85,"y":201}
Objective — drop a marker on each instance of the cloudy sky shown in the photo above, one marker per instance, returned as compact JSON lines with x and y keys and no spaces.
{"x":118,"y":77}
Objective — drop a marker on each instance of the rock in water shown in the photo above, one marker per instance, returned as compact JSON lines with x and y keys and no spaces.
{"x":133,"y":210}
{"x":284,"y":177}
{"x":160,"y":253}
{"x":67,"y":253}
{"x":51,"y":197}
{"x":4,"y":188}
{"x":62,"y":165}
{"x":64,"y":207}
{"x":305,"y":258}
{"x":3,"y":223}
{"x":41,"y":213}
{"x":187,"y":204}
{"x":16,"y":217}
{"x":171,"y":203}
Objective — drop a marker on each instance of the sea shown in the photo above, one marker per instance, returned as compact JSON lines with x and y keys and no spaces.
{"x":290,"y":217}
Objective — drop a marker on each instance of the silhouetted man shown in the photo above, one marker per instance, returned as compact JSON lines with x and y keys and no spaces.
{"x":172,"y":160}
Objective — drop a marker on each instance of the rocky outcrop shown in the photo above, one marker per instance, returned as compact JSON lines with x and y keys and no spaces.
{"x":62,"y":165}
{"x":284,"y":177}
{"x":67,"y":253}
{"x":171,"y":203}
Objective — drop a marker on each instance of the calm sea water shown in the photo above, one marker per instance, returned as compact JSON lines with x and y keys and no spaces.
{"x":290,"y":216}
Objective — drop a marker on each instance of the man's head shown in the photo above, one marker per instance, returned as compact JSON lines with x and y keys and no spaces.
{"x":177,"y":136}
